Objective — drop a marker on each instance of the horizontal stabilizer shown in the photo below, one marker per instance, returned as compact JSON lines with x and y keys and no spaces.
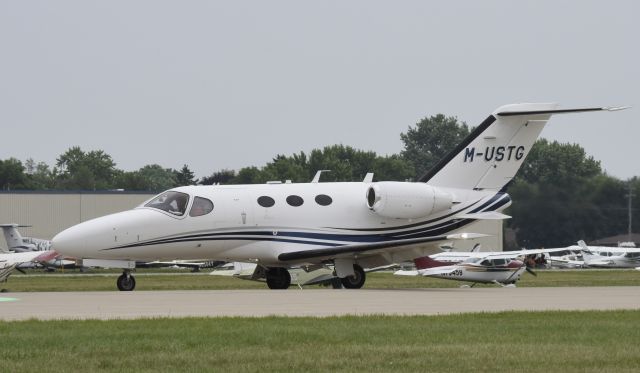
{"x":560,"y":111}
{"x":14,"y":225}
{"x":405,"y":273}
{"x":442,"y":271}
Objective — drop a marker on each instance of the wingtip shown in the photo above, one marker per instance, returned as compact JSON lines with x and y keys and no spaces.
{"x":616,"y":108}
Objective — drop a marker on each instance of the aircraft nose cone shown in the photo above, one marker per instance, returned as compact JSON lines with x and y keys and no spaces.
{"x":69,"y":242}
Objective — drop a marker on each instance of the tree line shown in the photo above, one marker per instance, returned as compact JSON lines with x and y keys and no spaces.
{"x":560,"y":194}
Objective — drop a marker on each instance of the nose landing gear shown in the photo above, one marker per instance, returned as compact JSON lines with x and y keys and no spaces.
{"x":126,"y":281}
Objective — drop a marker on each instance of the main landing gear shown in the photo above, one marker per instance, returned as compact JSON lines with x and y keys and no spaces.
{"x":278,"y":278}
{"x":126,"y":281}
{"x":356,"y":281}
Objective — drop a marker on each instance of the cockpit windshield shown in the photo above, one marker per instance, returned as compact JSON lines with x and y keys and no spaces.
{"x":471,"y":260}
{"x":172,"y":202}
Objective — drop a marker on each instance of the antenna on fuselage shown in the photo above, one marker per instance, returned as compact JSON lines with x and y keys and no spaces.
{"x":316,"y":178}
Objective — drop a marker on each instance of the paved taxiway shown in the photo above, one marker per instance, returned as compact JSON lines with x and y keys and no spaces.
{"x":295,"y":302}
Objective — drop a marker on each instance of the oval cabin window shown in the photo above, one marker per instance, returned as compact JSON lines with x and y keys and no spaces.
{"x":323,"y":200}
{"x":295,"y":201}
{"x":266,"y":201}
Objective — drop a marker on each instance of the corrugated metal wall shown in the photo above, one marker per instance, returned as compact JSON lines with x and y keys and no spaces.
{"x":50,"y":213}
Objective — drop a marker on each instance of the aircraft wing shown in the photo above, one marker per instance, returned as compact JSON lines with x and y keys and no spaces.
{"x":25,"y":257}
{"x":544,"y":251}
{"x":11,"y":260}
{"x":405,"y":273}
{"x":366,"y":249}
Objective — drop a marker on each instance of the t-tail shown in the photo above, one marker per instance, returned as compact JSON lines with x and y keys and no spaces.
{"x":490,"y":156}
{"x":14,"y":239}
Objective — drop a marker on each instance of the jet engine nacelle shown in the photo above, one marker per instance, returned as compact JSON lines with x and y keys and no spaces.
{"x":407,"y":200}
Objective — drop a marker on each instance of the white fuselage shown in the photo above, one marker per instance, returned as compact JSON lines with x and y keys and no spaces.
{"x":240,"y":229}
{"x":476,"y":273}
{"x":611,"y":257}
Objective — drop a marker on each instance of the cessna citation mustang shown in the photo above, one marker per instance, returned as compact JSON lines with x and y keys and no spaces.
{"x":352,"y":225}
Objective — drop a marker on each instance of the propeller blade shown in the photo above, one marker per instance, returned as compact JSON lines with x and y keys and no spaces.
{"x":20,"y":270}
{"x":531,"y":271}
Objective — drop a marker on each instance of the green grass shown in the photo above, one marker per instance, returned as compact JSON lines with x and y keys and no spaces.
{"x":167,"y":280}
{"x":511,"y":342}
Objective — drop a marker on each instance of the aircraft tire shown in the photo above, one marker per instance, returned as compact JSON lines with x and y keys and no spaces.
{"x":126,"y":283}
{"x":278,"y":278}
{"x":356,"y":281}
{"x":336,"y":283}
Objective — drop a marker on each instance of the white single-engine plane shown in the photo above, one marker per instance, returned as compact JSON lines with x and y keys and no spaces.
{"x":11,"y":261}
{"x":352,"y":225}
{"x":500,"y":269}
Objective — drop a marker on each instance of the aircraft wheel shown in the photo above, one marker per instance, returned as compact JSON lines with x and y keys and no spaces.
{"x":126,"y":282}
{"x":278,"y":278}
{"x":356,"y":281}
{"x":336,"y":283}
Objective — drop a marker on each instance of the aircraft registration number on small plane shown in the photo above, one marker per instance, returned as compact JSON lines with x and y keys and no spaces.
{"x":495,"y":153}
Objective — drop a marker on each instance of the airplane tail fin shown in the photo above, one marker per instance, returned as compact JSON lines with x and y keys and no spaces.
{"x":427,"y":262}
{"x":13,"y":237}
{"x":584,"y":246}
{"x":494,"y":151}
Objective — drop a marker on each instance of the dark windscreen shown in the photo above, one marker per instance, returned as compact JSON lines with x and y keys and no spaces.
{"x":172,"y":202}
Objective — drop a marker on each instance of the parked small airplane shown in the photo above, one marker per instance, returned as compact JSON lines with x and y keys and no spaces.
{"x":497,"y":269}
{"x":323,"y":275}
{"x":351,"y":225}
{"x":455,"y":257}
{"x":194,"y":265}
{"x":609,"y":257}
{"x":11,"y":261}
{"x":19,"y":244}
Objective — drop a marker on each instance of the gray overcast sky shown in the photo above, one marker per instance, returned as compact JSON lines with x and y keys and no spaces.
{"x":231,"y":84}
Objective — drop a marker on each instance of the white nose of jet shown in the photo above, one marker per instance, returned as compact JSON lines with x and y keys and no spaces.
{"x":70,"y":242}
{"x":94,"y":238}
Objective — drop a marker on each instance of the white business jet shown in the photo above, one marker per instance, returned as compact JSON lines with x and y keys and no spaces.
{"x":352,"y":225}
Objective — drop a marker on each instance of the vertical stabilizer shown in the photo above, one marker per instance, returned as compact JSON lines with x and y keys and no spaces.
{"x":494,"y":151}
{"x":13,"y":237}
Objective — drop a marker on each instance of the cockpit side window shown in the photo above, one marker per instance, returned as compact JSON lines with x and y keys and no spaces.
{"x":172,"y":202}
{"x":499,"y":262}
{"x":201,"y":206}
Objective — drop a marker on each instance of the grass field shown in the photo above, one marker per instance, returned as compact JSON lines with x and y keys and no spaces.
{"x":502,"y":342}
{"x":167,"y":280}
